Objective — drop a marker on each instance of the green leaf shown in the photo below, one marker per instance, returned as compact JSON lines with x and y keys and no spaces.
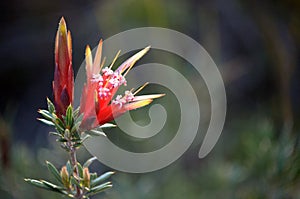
{"x":69,"y":116}
{"x":75,"y":139}
{"x":75,"y":127}
{"x":93,"y":176}
{"x":76,"y":112}
{"x":54,"y":171}
{"x":74,"y":181}
{"x":59,"y":123}
{"x":60,"y":127}
{"x":69,"y":168}
{"x":76,"y":135}
{"x":89,"y":161}
{"x":108,"y":125}
{"x":51,"y":107}
{"x":100,"y":188}
{"x":65,"y":147}
{"x":37,"y":183}
{"x":79,"y":118}
{"x":55,"y":133}
{"x":102,"y":178}
{"x":52,"y":186}
{"x":80,"y":170}
{"x":95,"y":133}
{"x":46,"y":185}
{"x":55,"y":188}
{"x":46,"y":114}
{"x":78,"y":144}
{"x":46,"y":122}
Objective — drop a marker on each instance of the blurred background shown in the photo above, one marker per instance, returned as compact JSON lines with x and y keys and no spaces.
{"x":255,"y":44}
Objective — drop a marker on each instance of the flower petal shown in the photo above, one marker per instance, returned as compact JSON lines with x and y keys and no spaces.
{"x":89,"y":62}
{"x":137,"y":104}
{"x":145,"y":97}
{"x":97,"y":61}
{"x":62,"y":48}
{"x":131,"y":61}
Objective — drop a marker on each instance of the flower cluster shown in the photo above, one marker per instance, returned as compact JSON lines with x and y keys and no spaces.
{"x":97,"y":101}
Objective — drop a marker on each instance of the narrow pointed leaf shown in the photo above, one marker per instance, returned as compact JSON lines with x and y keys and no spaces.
{"x":89,"y":162}
{"x":69,"y":168}
{"x":75,"y":127}
{"x":76,"y":140}
{"x":59,"y":125}
{"x":99,"y":188}
{"x":65,"y":147}
{"x":51,"y":107}
{"x":76,"y":135}
{"x":78,"y":144}
{"x":46,"y":122}
{"x":54,"y":171}
{"x":74,"y":181}
{"x":79,"y":118}
{"x":69,"y":116}
{"x":93,"y":176}
{"x":59,"y":129}
{"x":37,"y":183}
{"x":80,"y":170}
{"x":102,"y":178}
{"x":46,"y":114}
{"x":53,"y":186}
{"x":55,"y":133}
{"x":76,"y":112}
{"x":46,"y":185}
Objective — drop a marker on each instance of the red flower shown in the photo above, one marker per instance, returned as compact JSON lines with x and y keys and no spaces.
{"x":97,"y":103}
{"x":63,"y":84}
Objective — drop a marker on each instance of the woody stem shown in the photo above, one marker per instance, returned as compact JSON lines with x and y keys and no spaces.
{"x":74,"y":165}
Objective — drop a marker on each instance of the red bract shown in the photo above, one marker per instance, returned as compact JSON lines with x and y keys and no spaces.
{"x":63,"y":84}
{"x":98,"y":104}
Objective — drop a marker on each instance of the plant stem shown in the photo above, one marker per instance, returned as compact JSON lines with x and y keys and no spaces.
{"x":74,"y":165}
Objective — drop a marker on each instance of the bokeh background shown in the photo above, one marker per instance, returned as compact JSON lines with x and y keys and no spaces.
{"x":255,"y":44}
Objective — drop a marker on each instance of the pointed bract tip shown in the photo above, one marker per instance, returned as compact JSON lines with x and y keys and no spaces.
{"x":143,"y":52}
{"x":138,"y":104}
{"x":146,"y":97}
{"x":62,"y":28}
{"x":160,"y":95}
{"x":88,"y":51}
{"x":128,"y":64}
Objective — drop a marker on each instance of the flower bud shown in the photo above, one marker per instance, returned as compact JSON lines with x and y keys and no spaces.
{"x":63,"y":83}
{"x":65,"y":177}
{"x":86,"y":177}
